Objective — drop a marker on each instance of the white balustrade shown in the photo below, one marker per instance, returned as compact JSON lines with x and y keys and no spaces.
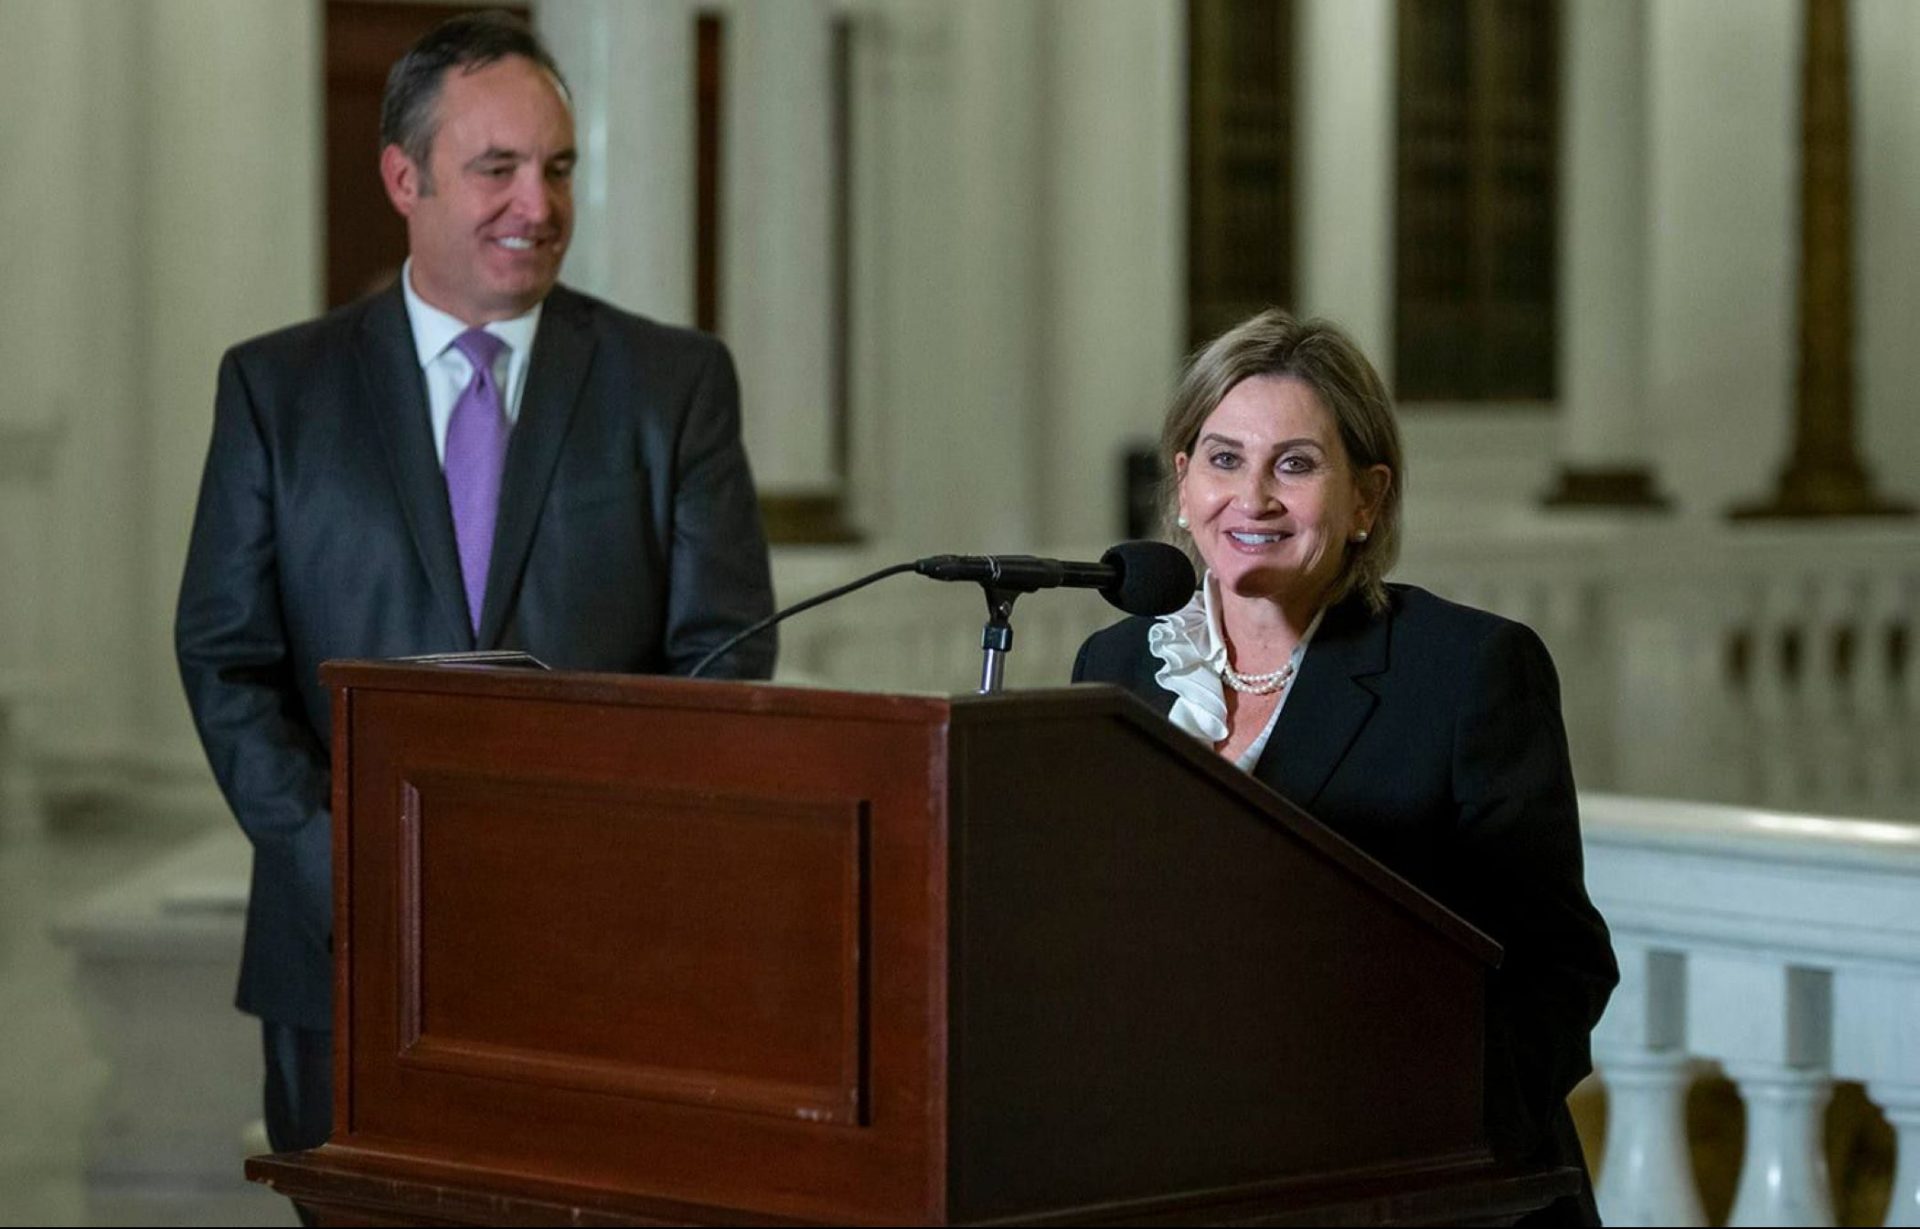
{"x":1766,"y":667}
{"x":1784,"y":947}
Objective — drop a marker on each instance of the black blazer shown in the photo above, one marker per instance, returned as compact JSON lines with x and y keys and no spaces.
{"x":628,"y":539}
{"x":1430,"y":736}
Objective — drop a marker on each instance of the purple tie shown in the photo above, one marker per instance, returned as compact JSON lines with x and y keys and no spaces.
{"x":476,"y":455}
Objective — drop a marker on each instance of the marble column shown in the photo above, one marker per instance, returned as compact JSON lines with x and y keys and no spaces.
{"x":779,"y":296}
{"x":230,"y":248}
{"x":27,"y":452}
{"x":1604,"y":441}
{"x":176,"y":215}
{"x":948,"y":265}
{"x":1825,"y":475}
{"x":1115,"y":244}
{"x":630,"y":67}
{"x":1344,"y":220}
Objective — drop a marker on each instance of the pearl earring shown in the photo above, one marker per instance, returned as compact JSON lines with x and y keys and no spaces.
{"x":1181,"y":520}
{"x":1361,"y":536}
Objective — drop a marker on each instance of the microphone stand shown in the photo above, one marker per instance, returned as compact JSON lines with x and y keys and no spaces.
{"x":996,"y":639}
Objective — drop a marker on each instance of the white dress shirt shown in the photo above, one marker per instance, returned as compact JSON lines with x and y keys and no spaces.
{"x":447,"y":370}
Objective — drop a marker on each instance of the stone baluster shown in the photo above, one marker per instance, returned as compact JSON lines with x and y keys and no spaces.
{"x":1877,"y":717}
{"x":1647,"y":1175}
{"x":1771,"y":1025}
{"x":1895,"y":602}
{"x":1901,"y":1105}
{"x":1826,"y":715}
{"x":1770,"y":693}
{"x":1910,"y":705}
{"x":1875,"y":1041}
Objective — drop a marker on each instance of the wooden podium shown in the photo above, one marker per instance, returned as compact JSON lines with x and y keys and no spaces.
{"x":632,"y":950}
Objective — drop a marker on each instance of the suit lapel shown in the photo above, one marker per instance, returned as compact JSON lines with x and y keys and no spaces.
{"x":396,"y":400}
{"x":562,"y":351}
{"x":1329,"y":703}
{"x":1146,"y":684}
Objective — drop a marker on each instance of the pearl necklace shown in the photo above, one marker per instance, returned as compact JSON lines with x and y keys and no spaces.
{"x":1256,"y":684}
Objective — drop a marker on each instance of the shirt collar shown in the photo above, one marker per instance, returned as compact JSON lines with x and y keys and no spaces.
{"x":434,"y":330}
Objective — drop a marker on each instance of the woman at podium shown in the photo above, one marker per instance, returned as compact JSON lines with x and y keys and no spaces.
{"x":1427,"y":733}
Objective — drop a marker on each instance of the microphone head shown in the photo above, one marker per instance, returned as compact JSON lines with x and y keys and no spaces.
{"x":1151,"y":578}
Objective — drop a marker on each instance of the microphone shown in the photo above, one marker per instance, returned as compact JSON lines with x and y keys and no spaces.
{"x":1141,"y":578}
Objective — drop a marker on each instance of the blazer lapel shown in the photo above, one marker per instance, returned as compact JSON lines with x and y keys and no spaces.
{"x":1146,"y":685}
{"x":396,"y":400}
{"x":1329,"y":703}
{"x":562,"y":352}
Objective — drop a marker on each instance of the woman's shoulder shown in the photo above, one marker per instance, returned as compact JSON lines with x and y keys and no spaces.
{"x":1113,"y":654}
{"x":1426,"y":624}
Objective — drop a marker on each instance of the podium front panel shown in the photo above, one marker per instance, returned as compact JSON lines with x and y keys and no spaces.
{"x":628,"y":947}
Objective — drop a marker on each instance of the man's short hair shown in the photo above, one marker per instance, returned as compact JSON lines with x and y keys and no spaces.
{"x":467,"y":42}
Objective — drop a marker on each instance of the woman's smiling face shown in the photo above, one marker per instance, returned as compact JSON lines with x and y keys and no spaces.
{"x":1270,"y":496}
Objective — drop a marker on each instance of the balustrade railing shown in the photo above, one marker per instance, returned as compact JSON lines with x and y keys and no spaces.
{"x":1786,"y":949}
{"x":1767,"y":667}
{"x":1773,"y":667}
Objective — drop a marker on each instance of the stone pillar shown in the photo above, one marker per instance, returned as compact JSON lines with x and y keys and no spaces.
{"x":43,"y":48}
{"x":1116,"y":243}
{"x":779,"y":290}
{"x":231,"y":248}
{"x":27,"y":452}
{"x":1825,"y":476}
{"x":1603,"y":261}
{"x":1344,"y":227}
{"x":631,"y":70}
{"x":69,"y":323}
{"x":173,"y":212}
{"x":947,"y":304}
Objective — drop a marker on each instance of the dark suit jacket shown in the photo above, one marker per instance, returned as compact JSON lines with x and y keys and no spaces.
{"x":1430,"y":736}
{"x":628,"y":539}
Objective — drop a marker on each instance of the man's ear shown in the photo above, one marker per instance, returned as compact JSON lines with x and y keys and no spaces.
{"x":402,"y":177}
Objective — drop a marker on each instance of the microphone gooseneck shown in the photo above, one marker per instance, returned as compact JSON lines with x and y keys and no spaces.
{"x":1141,"y":578}
{"x":746,"y":633}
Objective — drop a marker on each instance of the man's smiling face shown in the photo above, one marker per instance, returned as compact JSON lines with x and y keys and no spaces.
{"x":489,"y":217}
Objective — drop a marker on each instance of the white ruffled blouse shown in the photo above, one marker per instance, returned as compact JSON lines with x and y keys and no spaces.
{"x":1193,"y":650}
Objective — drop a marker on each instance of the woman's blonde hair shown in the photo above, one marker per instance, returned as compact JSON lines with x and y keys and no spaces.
{"x":1320,"y":355}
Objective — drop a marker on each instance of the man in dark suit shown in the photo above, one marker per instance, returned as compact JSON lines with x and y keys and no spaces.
{"x":476,"y":458}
